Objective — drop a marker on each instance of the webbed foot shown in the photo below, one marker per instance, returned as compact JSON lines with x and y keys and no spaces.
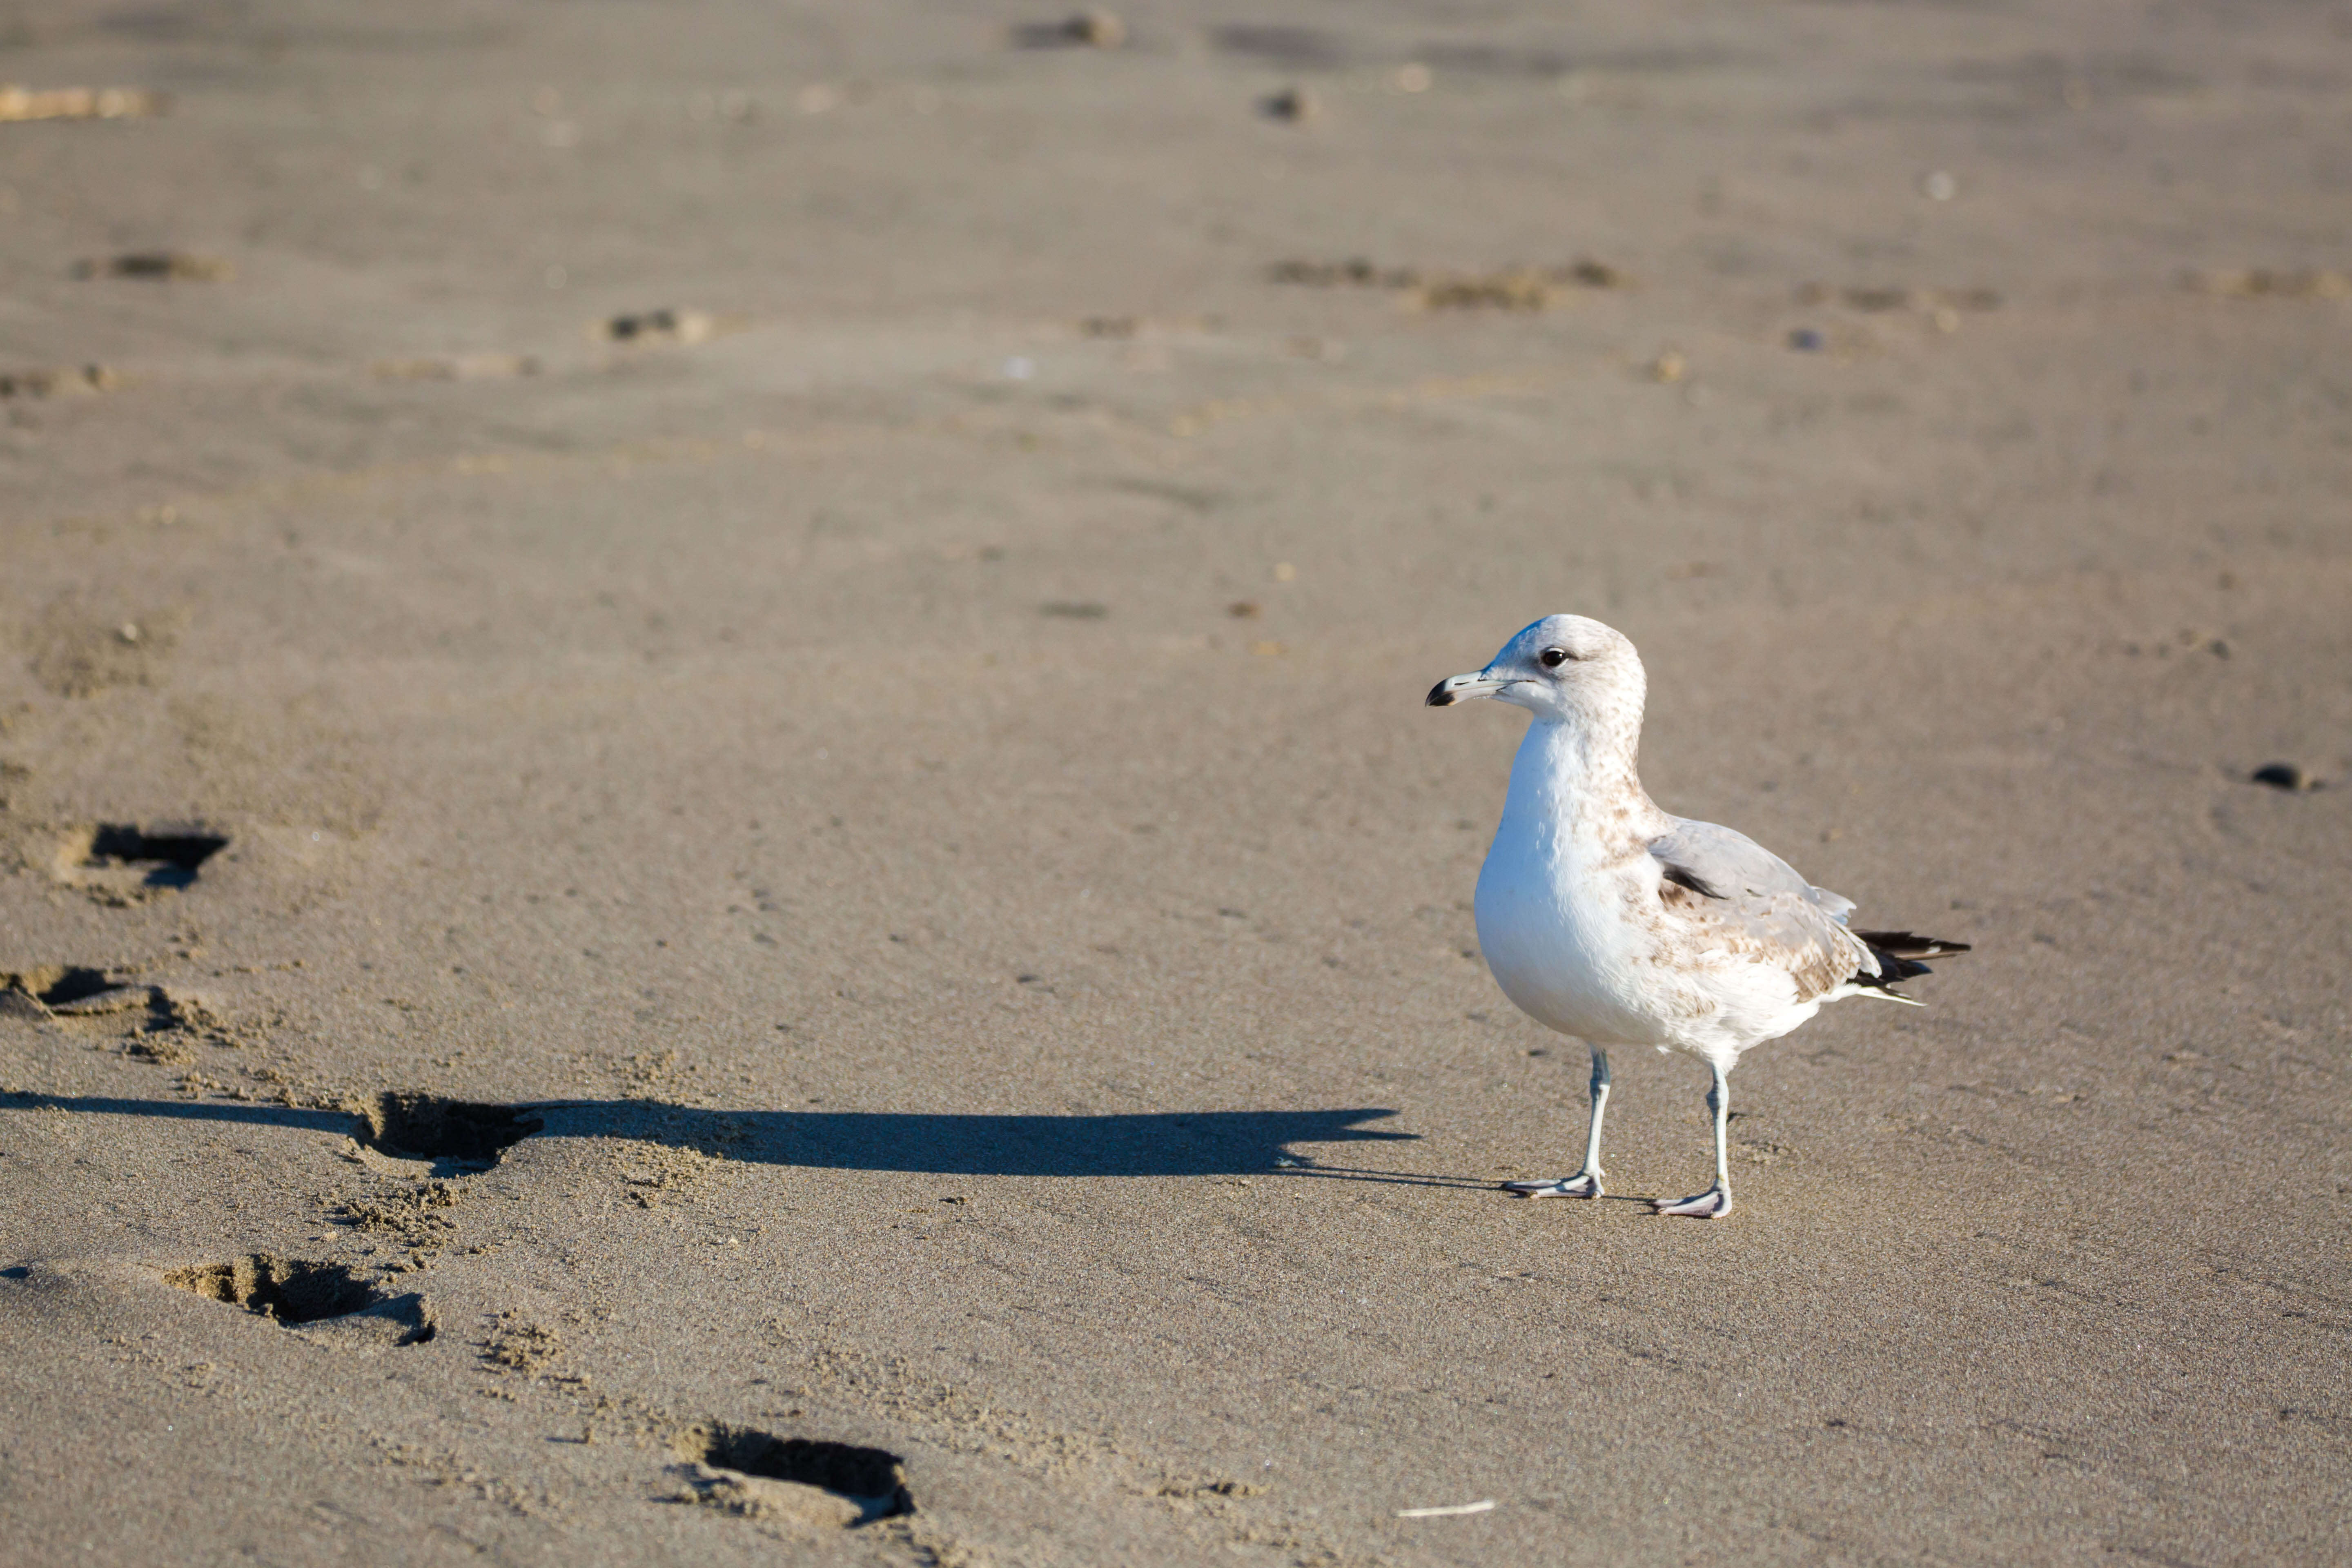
{"x":1583,"y":1185}
{"x":1712,"y":1203}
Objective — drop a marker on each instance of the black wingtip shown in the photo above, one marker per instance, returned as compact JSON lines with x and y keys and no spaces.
{"x":1892,"y":967}
{"x":1906,"y":944}
{"x":1899,"y":953}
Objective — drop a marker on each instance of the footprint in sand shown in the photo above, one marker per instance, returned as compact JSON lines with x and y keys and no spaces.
{"x":122,"y":865}
{"x":760,"y":1474}
{"x":69,"y":988}
{"x":164,"y":1026}
{"x":454,"y":1137}
{"x":349,"y":1311}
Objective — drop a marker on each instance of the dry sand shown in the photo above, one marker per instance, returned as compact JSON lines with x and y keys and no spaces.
{"x":991,"y":1000}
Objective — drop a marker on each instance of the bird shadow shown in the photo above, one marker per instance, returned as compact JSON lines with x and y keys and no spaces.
{"x":1152,"y":1143}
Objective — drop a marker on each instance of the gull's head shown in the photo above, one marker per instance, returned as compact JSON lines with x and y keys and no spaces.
{"x":1563,"y":667}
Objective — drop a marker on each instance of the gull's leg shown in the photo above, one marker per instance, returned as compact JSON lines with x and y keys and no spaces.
{"x":1716,"y":1202}
{"x":1585,"y":1184}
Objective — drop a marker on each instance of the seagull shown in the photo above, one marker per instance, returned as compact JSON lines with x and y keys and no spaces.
{"x":1605,"y":918}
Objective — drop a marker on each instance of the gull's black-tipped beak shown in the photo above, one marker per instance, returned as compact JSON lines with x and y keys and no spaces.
{"x":1462,"y":687}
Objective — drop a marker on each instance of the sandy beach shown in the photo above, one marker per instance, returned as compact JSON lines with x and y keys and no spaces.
{"x":721,"y":844}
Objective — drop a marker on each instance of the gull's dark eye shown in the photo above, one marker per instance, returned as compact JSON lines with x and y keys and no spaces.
{"x":1552,"y":658}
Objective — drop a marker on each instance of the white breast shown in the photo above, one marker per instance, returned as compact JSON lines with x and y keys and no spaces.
{"x":1554,"y":928}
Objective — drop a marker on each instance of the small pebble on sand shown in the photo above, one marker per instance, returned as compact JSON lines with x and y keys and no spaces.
{"x":660,"y":327}
{"x":1089,"y":29}
{"x":1293,"y":105}
{"x":173,"y":265}
{"x":2285,"y":775}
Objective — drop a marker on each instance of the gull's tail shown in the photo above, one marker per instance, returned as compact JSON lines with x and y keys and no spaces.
{"x":1899,"y":953}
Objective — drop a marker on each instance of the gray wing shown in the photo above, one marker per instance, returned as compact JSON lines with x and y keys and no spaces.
{"x":1752,"y":901}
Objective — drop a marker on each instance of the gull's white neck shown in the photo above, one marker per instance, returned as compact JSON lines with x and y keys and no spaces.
{"x":1575,"y":781}
{"x":1566,"y":872}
